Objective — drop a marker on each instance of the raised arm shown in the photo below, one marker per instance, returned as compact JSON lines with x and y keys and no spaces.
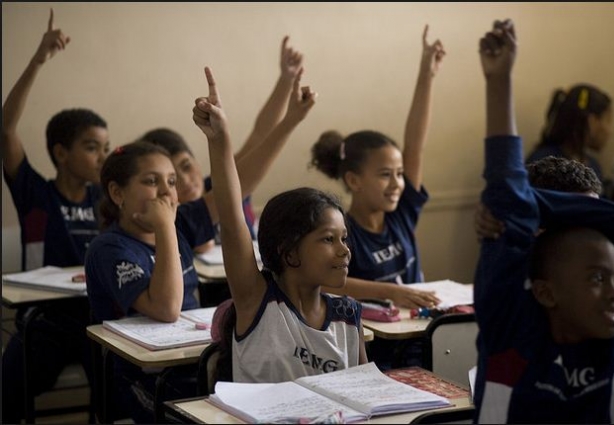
{"x":13,"y":153}
{"x":497,"y":55}
{"x":419,"y":117}
{"x":254,"y":165}
{"x":247,"y":286}
{"x":274,"y":108}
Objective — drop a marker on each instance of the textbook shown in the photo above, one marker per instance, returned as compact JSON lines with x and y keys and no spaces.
{"x":51,"y":278}
{"x":356,"y":394}
{"x":192,"y":328}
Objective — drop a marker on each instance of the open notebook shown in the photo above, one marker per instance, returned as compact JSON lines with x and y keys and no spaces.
{"x":50,"y":278}
{"x":355,"y":394}
{"x":192,"y":328}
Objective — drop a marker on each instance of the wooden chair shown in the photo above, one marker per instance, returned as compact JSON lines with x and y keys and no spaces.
{"x":450,"y":346}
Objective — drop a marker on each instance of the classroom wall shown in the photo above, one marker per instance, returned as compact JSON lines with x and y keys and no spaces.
{"x":140,"y":65}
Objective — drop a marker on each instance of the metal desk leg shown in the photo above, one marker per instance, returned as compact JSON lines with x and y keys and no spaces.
{"x":159,"y":415}
{"x":28,"y":395}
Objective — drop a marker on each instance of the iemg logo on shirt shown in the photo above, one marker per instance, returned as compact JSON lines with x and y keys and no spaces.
{"x":127,"y":272}
{"x":387,"y":254}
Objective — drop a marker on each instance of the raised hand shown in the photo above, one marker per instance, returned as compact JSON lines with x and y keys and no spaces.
{"x":432,"y":54}
{"x":486,"y":225}
{"x":498,"y":49}
{"x":291,"y":61}
{"x":53,"y":41}
{"x":208,"y":113}
{"x":301,"y":100}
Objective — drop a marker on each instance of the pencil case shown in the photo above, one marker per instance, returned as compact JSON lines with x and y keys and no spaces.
{"x":379,"y":310}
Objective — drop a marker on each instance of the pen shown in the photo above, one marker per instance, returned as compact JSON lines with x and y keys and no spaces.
{"x":425,"y":313}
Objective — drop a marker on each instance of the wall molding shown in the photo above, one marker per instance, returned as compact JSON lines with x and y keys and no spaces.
{"x":453,"y":200}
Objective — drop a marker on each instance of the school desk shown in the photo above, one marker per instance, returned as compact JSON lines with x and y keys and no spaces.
{"x":15,"y":297}
{"x":199,"y":410}
{"x":406,"y":328}
{"x":140,"y":356}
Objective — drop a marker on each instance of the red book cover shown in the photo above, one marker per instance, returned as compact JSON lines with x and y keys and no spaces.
{"x":426,"y":380}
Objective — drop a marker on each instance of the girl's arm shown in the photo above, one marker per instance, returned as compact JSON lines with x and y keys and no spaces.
{"x":419,"y":116}
{"x":163,"y":298}
{"x":273,"y":110}
{"x":247,"y":286}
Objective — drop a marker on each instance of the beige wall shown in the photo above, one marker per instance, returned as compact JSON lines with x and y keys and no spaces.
{"x":140,"y":66}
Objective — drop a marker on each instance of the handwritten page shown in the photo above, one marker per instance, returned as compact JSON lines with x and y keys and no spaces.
{"x":214,"y":255}
{"x":449,"y":292}
{"x":357,"y":393}
{"x":366,"y":389}
{"x":50,"y":278}
{"x":156,"y":335}
{"x":285,"y":402}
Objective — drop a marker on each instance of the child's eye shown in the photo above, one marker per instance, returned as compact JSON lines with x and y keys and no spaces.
{"x":597,"y":277}
{"x":172,"y":182}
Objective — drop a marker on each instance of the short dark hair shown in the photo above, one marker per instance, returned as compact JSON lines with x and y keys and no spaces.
{"x":564,"y":175}
{"x":286,"y":219}
{"x":119,"y":167}
{"x":551,"y":248}
{"x":66,"y":126}
{"x":168,"y":139}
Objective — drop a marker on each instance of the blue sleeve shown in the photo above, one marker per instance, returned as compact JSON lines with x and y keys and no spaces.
{"x":412,"y":201}
{"x":499,"y":290}
{"x":570,"y":209}
{"x":27,"y":188}
{"x":116,"y":276}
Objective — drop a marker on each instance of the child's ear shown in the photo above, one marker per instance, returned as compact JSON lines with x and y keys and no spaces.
{"x":116,"y":194}
{"x":59,"y":153}
{"x":352,"y":180}
{"x":543,"y":293}
{"x":291,"y":258}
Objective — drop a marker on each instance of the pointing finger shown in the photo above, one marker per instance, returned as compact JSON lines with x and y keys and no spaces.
{"x":425,"y":33}
{"x":213,"y":95}
{"x":50,"y":24}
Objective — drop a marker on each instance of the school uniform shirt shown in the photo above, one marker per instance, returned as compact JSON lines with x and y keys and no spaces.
{"x":280,"y":346}
{"x":523,"y":375}
{"x":119,"y":267}
{"x":54,"y":230}
{"x":391,"y":256}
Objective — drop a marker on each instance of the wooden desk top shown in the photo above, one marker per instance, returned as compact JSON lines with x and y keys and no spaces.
{"x":209,"y":272}
{"x":14,"y":296}
{"x":403,"y":329}
{"x":141,"y":356}
{"x":199,"y":410}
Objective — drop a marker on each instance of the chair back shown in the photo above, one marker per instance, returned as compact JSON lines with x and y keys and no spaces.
{"x":463,"y":415}
{"x":207,"y":369}
{"x":450,"y":346}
